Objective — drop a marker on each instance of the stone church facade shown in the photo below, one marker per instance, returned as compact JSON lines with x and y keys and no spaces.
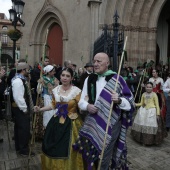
{"x":74,"y":25}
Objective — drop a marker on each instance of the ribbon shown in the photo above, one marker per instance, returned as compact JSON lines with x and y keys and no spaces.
{"x":62,"y":110}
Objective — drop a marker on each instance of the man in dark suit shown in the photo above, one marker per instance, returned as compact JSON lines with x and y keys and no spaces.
{"x":89,"y":70}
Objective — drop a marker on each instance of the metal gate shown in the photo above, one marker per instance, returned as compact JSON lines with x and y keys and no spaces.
{"x":111,"y":41}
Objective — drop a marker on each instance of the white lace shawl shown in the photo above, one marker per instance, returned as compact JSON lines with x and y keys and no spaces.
{"x":72,"y":94}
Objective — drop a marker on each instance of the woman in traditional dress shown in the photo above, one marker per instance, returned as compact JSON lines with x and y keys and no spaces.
{"x":62,"y":130}
{"x":147,"y":127}
{"x":45,"y":86}
{"x":166,"y":89}
{"x":158,"y":89}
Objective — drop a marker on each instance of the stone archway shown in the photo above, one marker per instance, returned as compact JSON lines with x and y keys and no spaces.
{"x":140,"y":20}
{"x":46,"y":19}
{"x":6,"y":58}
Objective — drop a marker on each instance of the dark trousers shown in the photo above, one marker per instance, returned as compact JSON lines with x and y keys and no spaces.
{"x":108,"y":153}
{"x":21,"y":130}
{"x":1,"y":106}
{"x":168,"y":111}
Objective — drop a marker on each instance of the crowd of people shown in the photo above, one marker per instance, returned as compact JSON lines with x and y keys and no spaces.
{"x":72,"y":109}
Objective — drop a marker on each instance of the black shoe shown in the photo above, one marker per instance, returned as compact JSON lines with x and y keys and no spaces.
{"x":13,"y":138}
{"x":1,"y":140}
{"x":167,"y":129}
{"x":25,"y":154}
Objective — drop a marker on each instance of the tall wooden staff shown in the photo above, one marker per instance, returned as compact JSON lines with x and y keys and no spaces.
{"x":141,"y":78}
{"x":111,"y":108}
{"x":26,"y":55}
{"x":37,"y":102}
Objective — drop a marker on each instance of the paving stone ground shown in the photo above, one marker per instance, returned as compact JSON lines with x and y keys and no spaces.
{"x":156,"y":157}
{"x":139,"y":157}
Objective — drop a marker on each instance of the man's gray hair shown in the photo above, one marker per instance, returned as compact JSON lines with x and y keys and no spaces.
{"x":66,"y":63}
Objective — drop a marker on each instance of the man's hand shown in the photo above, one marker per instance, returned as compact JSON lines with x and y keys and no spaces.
{"x":115,"y":98}
{"x":91,"y":108}
{"x":144,"y":105}
{"x":36,"y":109}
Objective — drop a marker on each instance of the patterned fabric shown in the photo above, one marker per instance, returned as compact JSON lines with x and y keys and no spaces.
{"x":145,"y":121}
{"x":151,"y":139}
{"x":19,"y":76}
{"x":39,"y":129}
{"x":31,"y":105}
{"x":59,"y":137}
{"x":92,"y":134}
{"x":49,"y":84}
{"x":157,"y":88}
{"x":62,"y":110}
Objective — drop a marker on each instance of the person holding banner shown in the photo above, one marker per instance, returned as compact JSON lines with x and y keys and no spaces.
{"x":96,"y":98}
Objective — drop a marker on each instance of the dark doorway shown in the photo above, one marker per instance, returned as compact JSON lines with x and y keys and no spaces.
{"x":163,"y":35}
{"x":6,"y":58}
{"x":168,"y":21}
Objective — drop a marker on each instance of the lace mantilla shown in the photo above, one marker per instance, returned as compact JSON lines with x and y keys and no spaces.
{"x":72,"y":94}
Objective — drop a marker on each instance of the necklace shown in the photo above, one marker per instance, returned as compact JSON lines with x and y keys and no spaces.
{"x":66,"y":89}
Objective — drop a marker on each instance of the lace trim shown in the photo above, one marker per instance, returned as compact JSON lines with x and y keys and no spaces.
{"x":72,"y":94}
{"x":158,"y":80}
{"x":144,"y":129}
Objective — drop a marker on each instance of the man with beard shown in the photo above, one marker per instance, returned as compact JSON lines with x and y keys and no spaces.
{"x":22,"y":106}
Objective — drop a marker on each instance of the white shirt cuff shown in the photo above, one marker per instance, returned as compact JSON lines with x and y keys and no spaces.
{"x":125,"y":105}
{"x":83,"y":105}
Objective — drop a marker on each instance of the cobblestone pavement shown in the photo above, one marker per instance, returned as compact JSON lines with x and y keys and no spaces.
{"x":140,"y":157}
{"x":148,"y":157}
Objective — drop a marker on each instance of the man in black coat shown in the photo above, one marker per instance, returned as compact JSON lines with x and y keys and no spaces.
{"x":35,"y":76}
{"x":89,"y":70}
{"x":2,"y":89}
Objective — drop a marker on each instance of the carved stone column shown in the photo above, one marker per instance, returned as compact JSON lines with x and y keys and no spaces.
{"x":94,"y":24}
{"x":168,"y":21}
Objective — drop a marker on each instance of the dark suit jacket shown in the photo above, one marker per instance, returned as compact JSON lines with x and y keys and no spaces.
{"x":82,"y":79}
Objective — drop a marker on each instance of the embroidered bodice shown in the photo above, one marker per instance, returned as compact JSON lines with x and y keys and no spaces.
{"x":157,"y":84}
{"x":150,"y":100}
{"x":71,"y":100}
